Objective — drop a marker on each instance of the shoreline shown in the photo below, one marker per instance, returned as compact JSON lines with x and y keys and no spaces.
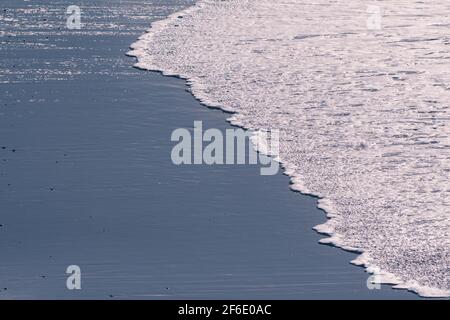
{"x":107,"y":198}
{"x":326,"y":228}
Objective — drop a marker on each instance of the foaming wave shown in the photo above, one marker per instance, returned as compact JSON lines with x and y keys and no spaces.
{"x":363,"y":115}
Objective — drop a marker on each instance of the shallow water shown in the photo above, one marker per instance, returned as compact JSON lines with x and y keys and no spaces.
{"x":363,"y":113}
{"x":37,"y":45}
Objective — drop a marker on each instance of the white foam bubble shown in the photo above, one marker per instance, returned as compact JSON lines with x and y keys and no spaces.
{"x":363,"y":114}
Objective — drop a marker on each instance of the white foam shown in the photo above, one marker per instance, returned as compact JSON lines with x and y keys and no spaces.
{"x":363,"y":115}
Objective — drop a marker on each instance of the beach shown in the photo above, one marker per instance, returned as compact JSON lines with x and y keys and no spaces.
{"x":86,"y":179}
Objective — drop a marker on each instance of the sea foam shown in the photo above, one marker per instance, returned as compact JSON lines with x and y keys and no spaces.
{"x":363,"y":114}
